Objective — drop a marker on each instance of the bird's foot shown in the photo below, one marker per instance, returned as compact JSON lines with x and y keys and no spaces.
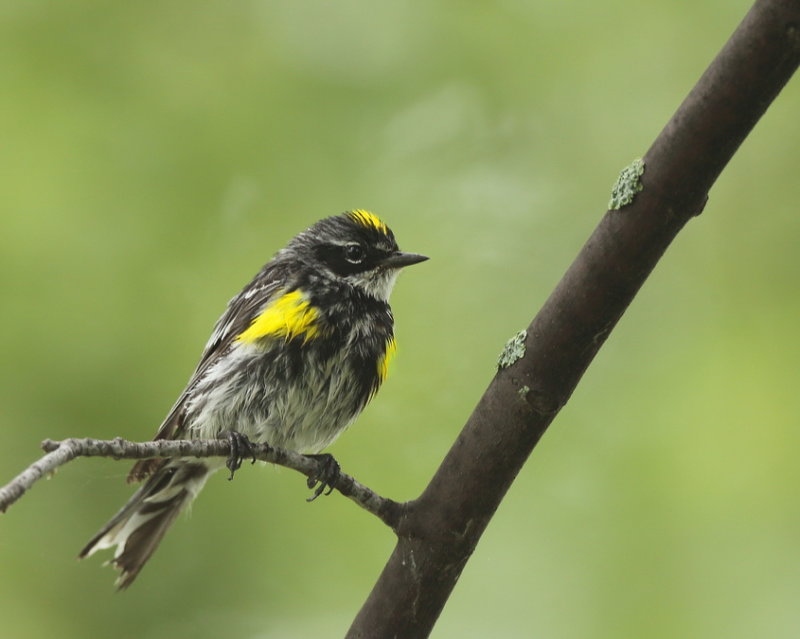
{"x":241,"y":447}
{"x":327,"y":473}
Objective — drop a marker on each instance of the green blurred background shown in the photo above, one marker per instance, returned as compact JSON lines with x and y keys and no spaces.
{"x":155,"y":154}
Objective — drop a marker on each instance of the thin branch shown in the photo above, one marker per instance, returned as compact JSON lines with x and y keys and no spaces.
{"x":543,"y":365}
{"x":62,"y":452}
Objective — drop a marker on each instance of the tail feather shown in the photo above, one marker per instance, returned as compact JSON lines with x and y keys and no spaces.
{"x":139,"y":526}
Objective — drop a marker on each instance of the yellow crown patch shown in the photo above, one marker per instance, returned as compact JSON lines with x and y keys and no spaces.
{"x":370,"y":220}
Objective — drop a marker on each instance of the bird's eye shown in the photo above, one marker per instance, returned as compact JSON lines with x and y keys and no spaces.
{"x":354,"y":253}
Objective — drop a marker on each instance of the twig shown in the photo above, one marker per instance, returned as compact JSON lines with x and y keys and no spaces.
{"x":61,"y":452}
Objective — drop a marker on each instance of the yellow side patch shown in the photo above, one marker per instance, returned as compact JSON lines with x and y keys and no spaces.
{"x":388,"y":355}
{"x":365,"y":218}
{"x":288,"y":316}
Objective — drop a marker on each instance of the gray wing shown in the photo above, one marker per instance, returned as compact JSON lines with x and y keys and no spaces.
{"x":239,"y":314}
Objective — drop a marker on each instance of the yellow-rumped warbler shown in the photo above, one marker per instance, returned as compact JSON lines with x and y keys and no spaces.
{"x":293,"y":360}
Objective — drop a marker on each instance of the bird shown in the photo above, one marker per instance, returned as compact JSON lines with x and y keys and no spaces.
{"x":292,"y":361}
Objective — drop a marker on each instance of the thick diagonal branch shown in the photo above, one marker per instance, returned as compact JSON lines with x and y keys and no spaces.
{"x":61,"y":452}
{"x":440,"y":530}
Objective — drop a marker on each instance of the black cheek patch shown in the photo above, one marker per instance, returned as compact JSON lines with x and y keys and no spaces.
{"x":332,"y":255}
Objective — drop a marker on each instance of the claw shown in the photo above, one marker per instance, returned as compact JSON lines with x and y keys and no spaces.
{"x":241,"y":447}
{"x":328,"y":472}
